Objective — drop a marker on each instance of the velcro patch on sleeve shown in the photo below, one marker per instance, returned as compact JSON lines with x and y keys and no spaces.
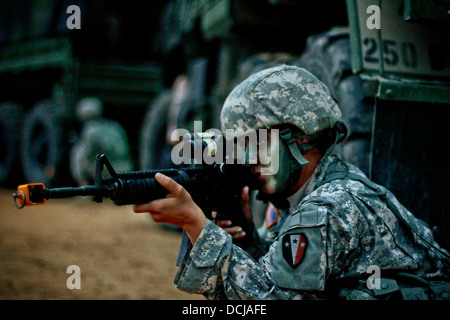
{"x":294,"y":247}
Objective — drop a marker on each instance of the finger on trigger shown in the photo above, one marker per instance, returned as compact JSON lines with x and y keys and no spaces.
{"x":223,"y":223}
{"x":245,"y":194}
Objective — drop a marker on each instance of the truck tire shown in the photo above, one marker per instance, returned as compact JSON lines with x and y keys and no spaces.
{"x":327,"y":56}
{"x":10,"y":124}
{"x":44,"y":149}
{"x":154,"y":150}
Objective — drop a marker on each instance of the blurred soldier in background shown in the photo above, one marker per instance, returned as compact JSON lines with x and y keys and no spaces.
{"x":98,"y":135}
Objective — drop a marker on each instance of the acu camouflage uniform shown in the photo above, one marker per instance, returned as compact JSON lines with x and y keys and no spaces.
{"x":338,"y":224}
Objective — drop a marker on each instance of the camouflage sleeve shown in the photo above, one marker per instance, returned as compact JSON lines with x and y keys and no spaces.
{"x":218,"y":269}
{"x":259,"y":246}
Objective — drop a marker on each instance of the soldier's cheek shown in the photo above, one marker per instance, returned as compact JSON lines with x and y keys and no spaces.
{"x":269,"y":183}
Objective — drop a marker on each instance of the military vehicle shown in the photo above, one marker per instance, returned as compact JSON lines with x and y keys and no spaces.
{"x":386,"y":61}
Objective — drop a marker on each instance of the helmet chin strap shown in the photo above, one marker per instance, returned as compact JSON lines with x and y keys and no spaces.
{"x":341,"y":134}
{"x":279,"y":199}
{"x":296,"y":150}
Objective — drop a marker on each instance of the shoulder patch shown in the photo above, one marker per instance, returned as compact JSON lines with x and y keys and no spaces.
{"x":272,"y":215}
{"x":294,"y":248}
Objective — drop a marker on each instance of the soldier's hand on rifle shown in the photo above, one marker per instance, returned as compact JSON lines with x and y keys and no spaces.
{"x":237,"y":232}
{"x":176,"y":208}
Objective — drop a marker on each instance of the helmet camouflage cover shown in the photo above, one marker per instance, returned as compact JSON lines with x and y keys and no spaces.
{"x":280,"y":95}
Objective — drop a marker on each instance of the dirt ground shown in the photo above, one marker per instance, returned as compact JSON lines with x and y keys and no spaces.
{"x":121,"y":255}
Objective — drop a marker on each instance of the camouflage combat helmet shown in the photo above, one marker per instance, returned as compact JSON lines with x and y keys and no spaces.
{"x":282,"y":95}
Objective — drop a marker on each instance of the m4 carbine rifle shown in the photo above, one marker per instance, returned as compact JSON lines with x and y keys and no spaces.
{"x":213,"y":187}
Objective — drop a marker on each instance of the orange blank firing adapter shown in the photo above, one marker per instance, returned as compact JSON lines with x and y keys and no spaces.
{"x":24,"y":195}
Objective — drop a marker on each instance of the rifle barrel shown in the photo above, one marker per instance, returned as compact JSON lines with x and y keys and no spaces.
{"x":53,"y":193}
